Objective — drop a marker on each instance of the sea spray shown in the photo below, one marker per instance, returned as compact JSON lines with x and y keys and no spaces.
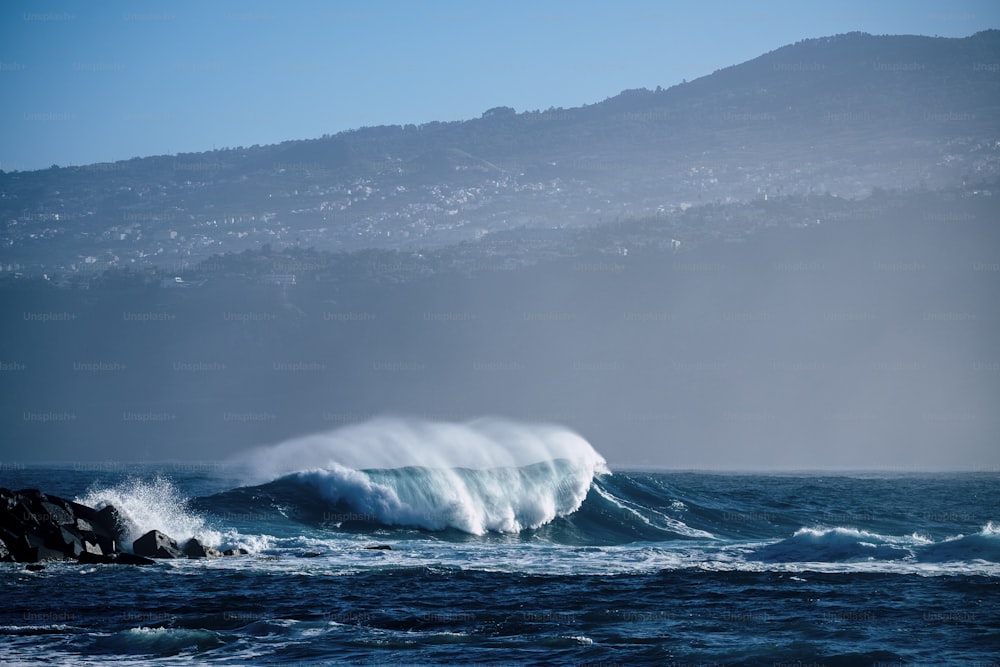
{"x":151,"y":505}
{"x":397,"y":442}
{"x":486,"y":475}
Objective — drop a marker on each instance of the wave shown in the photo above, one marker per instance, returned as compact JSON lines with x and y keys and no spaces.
{"x":984,"y":545}
{"x":155,"y":504}
{"x":158,"y":641}
{"x":502,"y":500}
{"x":511,"y":481}
{"x":483,"y":476}
{"x":836,"y":544}
{"x":840,"y":544}
{"x":558,"y":501}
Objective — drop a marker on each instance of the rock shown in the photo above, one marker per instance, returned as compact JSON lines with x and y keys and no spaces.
{"x":236,"y":552}
{"x":41,"y":553}
{"x":113,"y":559}
{"x":380,"y":547}
{"x":72,"y":544}
{"x":87,"y":558}
{"x":24,"y":515}
{"x":16,"y":543}
{"x":56,"y":513}
{"x":106,"y":525}
{"x":155,"y":544}
{"x":37,"y":527}
{"x":34,"y":567}
{"x":131,"y":559}
{"x":195,"y":549}
{"x":110,"y":519}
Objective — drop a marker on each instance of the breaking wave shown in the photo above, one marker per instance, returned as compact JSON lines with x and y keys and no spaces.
{"x":486,"y":475}
{"x":155,"y":504}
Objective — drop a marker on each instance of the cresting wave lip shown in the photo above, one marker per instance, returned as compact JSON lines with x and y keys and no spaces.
{"x":400,"y":442}
{"x":485,"y":475}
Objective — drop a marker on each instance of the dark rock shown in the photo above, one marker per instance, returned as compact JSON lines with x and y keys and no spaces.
{"x":131,"y":559}
{"x":236,"y":552}
{"x":88,"y":514}
{"x":195,"y":549}
{"x":106,"y":524}
{"x":89,"y":536}
{"x":40,"y":553}
{"x":109,"y":527}
{"x":380,"y":547}
{"x":16,"y":543}
{"x":72,"y":544}
{"x":55,"y":513}
{"x":51,"y":535}
{"x":110,"y":519}
{"x":155,"y":544}
{"x":24,"y":515}
{"x":87,"y":558}
{"x":34,"y":567}
{"x":108,"y":546}
{"x":113,"y":559}
{"x":35,"y":526}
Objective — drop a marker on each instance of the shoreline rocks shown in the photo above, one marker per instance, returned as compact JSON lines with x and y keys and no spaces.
{"x":155,"y":544}
{"x":37,"y":527}
{"x":195,"y":549}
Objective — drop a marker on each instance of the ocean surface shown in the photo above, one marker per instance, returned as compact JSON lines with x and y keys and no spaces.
{"x":504,"y":560}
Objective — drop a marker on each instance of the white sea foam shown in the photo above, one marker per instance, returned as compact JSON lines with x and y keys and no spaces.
{"x":152,"y":505}
{"x":474,"y":501}
{"x":396,"y":442}
{"x":487,"y":475}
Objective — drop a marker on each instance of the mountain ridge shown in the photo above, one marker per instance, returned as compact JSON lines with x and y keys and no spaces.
{"x":840,"y":115}
{"x":990,"y":39}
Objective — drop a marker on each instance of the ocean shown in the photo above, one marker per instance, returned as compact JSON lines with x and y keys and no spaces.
{"x":505,"y":560}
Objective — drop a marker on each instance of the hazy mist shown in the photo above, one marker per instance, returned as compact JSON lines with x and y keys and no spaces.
{"x":793,"y":263}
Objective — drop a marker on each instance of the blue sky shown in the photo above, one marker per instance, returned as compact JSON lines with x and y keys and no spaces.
{"x":85,"y":82}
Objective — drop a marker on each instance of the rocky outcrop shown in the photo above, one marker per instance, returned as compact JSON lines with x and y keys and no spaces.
{"x":195,"y":549}
{"x":155,"y":544}
{"x":36,"y":527}
{"x":120,"y":558}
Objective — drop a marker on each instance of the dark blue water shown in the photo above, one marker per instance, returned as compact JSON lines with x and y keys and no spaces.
{"x":540,"y":564}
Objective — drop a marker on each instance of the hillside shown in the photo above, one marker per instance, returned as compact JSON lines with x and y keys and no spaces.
{"x":839,"y":115}
{"x":878,"y":325}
